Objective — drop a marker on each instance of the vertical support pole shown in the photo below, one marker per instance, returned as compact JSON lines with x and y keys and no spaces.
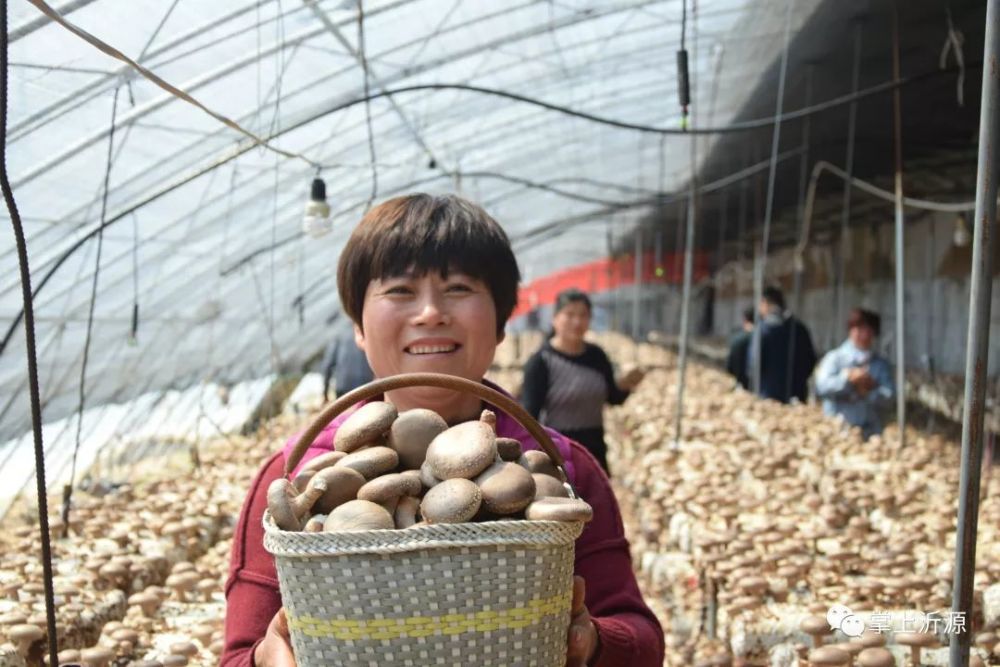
{"x":741,"y":228}
{"x":977,"y":349}
{"x":612,"y":299}
{"x":761,"y":263}
{"x":637,"y":285}
{"x":845,"y":206}
{"x":930,"y":249}
{"x":685,"y":304}
{"x":720,"y":257}
{"x":799,"y":266}
{"x":660,"y":274}
{"x":897,"y":132}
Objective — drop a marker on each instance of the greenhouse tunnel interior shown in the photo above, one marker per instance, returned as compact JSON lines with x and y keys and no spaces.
{"x":178,"y":298}
{"x":201,"y":233}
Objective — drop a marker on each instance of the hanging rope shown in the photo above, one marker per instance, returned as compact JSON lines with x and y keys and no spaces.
{"x":67,"y":497}
{"x":29,"y":333}
{"x":845,"y":207}
{"x":689,"y":219}
{"x":953,"y":43}
{"x":133,"y":337}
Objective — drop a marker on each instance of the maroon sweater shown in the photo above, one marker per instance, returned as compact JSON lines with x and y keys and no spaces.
{"x":629,"y":632}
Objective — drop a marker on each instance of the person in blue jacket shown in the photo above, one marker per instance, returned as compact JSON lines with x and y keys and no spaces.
{"x":853,"y":380}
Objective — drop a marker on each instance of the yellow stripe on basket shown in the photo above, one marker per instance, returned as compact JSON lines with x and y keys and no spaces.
{"x":425,"y":626}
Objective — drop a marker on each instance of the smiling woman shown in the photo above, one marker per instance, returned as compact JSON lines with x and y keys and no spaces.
{"x":429,"y":283}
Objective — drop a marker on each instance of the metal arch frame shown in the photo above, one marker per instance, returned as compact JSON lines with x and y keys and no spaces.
{"x":107,"y":83}
{"x":332,"y":29}
{"x":600,"y":212}
{"x":215,"y":165}
{"x":233,"y":66}
{"x":222,"y":131}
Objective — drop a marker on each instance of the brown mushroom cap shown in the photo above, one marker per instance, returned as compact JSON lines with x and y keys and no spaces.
{"x":365,"y":425}
{"x":146,"y":601}
{"x":547,"y":486}
{"x":559,"y":509}
{"x":415,"y":474}
{"x":464,"y":450}
{"x":875,"y":657}
{"x":507,"y":488}
{"x":358,"y":515}
{"x":98,"y":656}
{"x":342,"y":485}
{"x":203,"y":633}
{"x":509,"y":449}
{"x":411,"y":434}
{"x":324,"y":460}
{"x":452,"y":501}
{"x":371,"y":461}
{"x":817,"y":626}
{"x":68,"y":655}
{"x":187,"y":649}
{"x":23,"y":635}
{"x":872,"y":639}
{"x":125,"y":635}
{"x":388,"y":489}
{"x":538,"y":461}
{"x":921,"y":639}
{"x":829,"y":655}
{"x":310,"y":468}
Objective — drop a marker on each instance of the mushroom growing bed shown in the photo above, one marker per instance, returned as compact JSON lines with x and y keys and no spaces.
{"x":759,"y":521}
{"x":765,"y":515}
{"x":140,"y":574}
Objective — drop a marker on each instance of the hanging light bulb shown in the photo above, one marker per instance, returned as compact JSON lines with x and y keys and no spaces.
{"x":316,"y":221}
{"x":962,"y":236}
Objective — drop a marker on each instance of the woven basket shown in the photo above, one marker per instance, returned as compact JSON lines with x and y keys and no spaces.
{"x":490,"y":594}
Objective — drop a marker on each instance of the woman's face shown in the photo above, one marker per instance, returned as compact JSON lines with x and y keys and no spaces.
{"x":572,"y":321}
{"x":414,"y":324}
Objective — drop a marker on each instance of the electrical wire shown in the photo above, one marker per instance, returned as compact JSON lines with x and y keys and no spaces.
{"x":67,"y":497}
{"x":29,"y":330}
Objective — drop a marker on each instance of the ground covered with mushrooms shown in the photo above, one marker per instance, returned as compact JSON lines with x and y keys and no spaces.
{"x":746,"y":535}
{"x":763,"y":518}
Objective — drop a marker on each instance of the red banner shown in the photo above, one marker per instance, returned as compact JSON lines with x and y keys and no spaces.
{"x":607,"y":274}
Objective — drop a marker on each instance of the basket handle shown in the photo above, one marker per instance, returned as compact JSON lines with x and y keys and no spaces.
{"x":380,"y":386}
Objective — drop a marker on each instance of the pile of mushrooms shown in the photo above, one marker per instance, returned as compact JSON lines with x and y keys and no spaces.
{"x":764,"y":514}
{"x":142,"y":566}
{"x":396,"y":471}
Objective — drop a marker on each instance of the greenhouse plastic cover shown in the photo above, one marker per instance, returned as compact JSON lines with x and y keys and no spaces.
{"x":204,"y":229}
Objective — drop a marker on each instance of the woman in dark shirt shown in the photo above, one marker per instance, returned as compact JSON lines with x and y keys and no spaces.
{"x":568,"y":381}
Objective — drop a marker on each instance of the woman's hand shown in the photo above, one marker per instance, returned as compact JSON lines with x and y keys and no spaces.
{"x":276,"y":649}
{"x":582,"y":640}
{"x":631,"y":378}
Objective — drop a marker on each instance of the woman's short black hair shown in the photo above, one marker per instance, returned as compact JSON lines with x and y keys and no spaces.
{"x":424,"y":233}
{"x":572,"y":295}
{"x":859,"y":317}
